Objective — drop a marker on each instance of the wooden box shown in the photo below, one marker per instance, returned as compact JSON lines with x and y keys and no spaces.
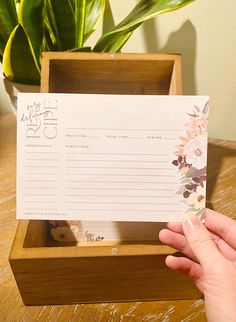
{"x":50,"y":272}
{"x":106,"y":73}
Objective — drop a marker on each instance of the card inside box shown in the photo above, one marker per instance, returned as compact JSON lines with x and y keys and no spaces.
{"x":33,"y":236}
{"x":38,"y":234}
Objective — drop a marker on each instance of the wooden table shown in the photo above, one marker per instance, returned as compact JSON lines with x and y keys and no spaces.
{"x":220,"y":196}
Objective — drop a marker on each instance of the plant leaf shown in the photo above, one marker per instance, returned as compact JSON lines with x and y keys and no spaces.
{"x":30,"y":16}
{"x":49,"y":27}
{"x":15,"y":65}
{"x":82,"y":49}
{"x":49,"y":40}
{"x":80,"y":7}
{"x":115,"y":44}
{"x":8,"y":21}
{"x":94,"y":12}
{"x":143,"y":11}
{"x":61,"y":18}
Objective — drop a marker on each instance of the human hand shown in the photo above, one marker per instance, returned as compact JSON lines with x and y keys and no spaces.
{"x":210,"y":262}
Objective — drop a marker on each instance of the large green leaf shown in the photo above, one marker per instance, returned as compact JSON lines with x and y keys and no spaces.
{"x":94,"y":12}
{"x":30,"y":16}
{"x":61,"y":18}
{"x":18,"y":62}
{"x":80,"y":7}
{"x":143,"y":11}
{"x":8,"y":21}
{"x":76,"y":25}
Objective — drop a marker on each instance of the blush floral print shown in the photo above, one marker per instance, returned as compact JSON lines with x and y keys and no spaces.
{"x":191,"y":160}
{"x":71,"y":231}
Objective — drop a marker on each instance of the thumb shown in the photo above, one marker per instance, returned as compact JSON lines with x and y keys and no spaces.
{"x":200,"y":240}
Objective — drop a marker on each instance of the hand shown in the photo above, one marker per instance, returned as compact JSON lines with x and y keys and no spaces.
{"x":210,"y":262}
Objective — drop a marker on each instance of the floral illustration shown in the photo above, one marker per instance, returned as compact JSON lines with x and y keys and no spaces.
{"x":195,"y":152}
{"x":70,"y":231}
{"x":191,"y":160}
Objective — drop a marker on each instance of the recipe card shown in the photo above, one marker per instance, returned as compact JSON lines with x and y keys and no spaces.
{"x":111,"y":157}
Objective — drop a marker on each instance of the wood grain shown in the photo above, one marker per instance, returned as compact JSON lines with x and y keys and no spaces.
{"x":220,"y":195}
{"x":105,"y":73}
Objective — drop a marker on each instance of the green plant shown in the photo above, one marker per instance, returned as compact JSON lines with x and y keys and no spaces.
{"x":28,"y":27}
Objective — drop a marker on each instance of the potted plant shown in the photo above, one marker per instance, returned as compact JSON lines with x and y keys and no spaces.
{"x":30,"y":27}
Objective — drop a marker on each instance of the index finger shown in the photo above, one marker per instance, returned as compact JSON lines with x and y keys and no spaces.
{"x":218,"y":224}
{"x":222,"y":226}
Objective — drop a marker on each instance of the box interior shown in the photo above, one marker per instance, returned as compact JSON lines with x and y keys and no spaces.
{"x":38,"y":235}
{"x":111,"y":76}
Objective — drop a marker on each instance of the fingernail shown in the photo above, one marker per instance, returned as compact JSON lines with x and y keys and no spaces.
{"x":191,"y":220}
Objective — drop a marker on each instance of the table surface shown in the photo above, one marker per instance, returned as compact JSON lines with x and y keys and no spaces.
{"x":220,"y":196}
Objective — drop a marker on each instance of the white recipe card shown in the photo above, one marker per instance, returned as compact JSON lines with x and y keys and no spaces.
{"x":111,"y":157}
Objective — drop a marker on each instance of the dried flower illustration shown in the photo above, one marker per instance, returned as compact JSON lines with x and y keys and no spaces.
{"x":70,"y":231}
{"x":195,"y":152}
{"x":192,"y":159}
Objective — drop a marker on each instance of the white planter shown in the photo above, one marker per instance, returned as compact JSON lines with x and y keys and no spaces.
{"x":12,"y":89}
{"x":5,"y":103}
{"x":9,"y":91}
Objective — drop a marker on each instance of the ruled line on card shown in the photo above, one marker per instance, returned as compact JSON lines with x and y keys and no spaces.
{"x":37,"y":180}
{"x":121,"y":175}
{"x":127,"y":210}
{"x":170,"y":139}
{"x":159,"y":182}
{"x":41,"y":166}
{"x":109,"y":153}
{"x":124,"y":203}
{"x":51,"y":209}
{"x":120,"y":196}
{"x":40,"y":201}
{"x":41,"y":194}
{"x":113,"y":129}
{"x":31,"y":187}
{"x":41,"y":159}
{"x":97,"y":160}
{"x":43,"y":173}
{"x":42,"y":152}
{"x":108,"y":188}
{"x":118,"y":168}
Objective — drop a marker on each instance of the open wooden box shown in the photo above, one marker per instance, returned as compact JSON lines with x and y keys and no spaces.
{"x":49,"y":272}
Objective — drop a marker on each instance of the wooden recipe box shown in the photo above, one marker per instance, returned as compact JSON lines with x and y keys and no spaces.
{"x":50,"y":272}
